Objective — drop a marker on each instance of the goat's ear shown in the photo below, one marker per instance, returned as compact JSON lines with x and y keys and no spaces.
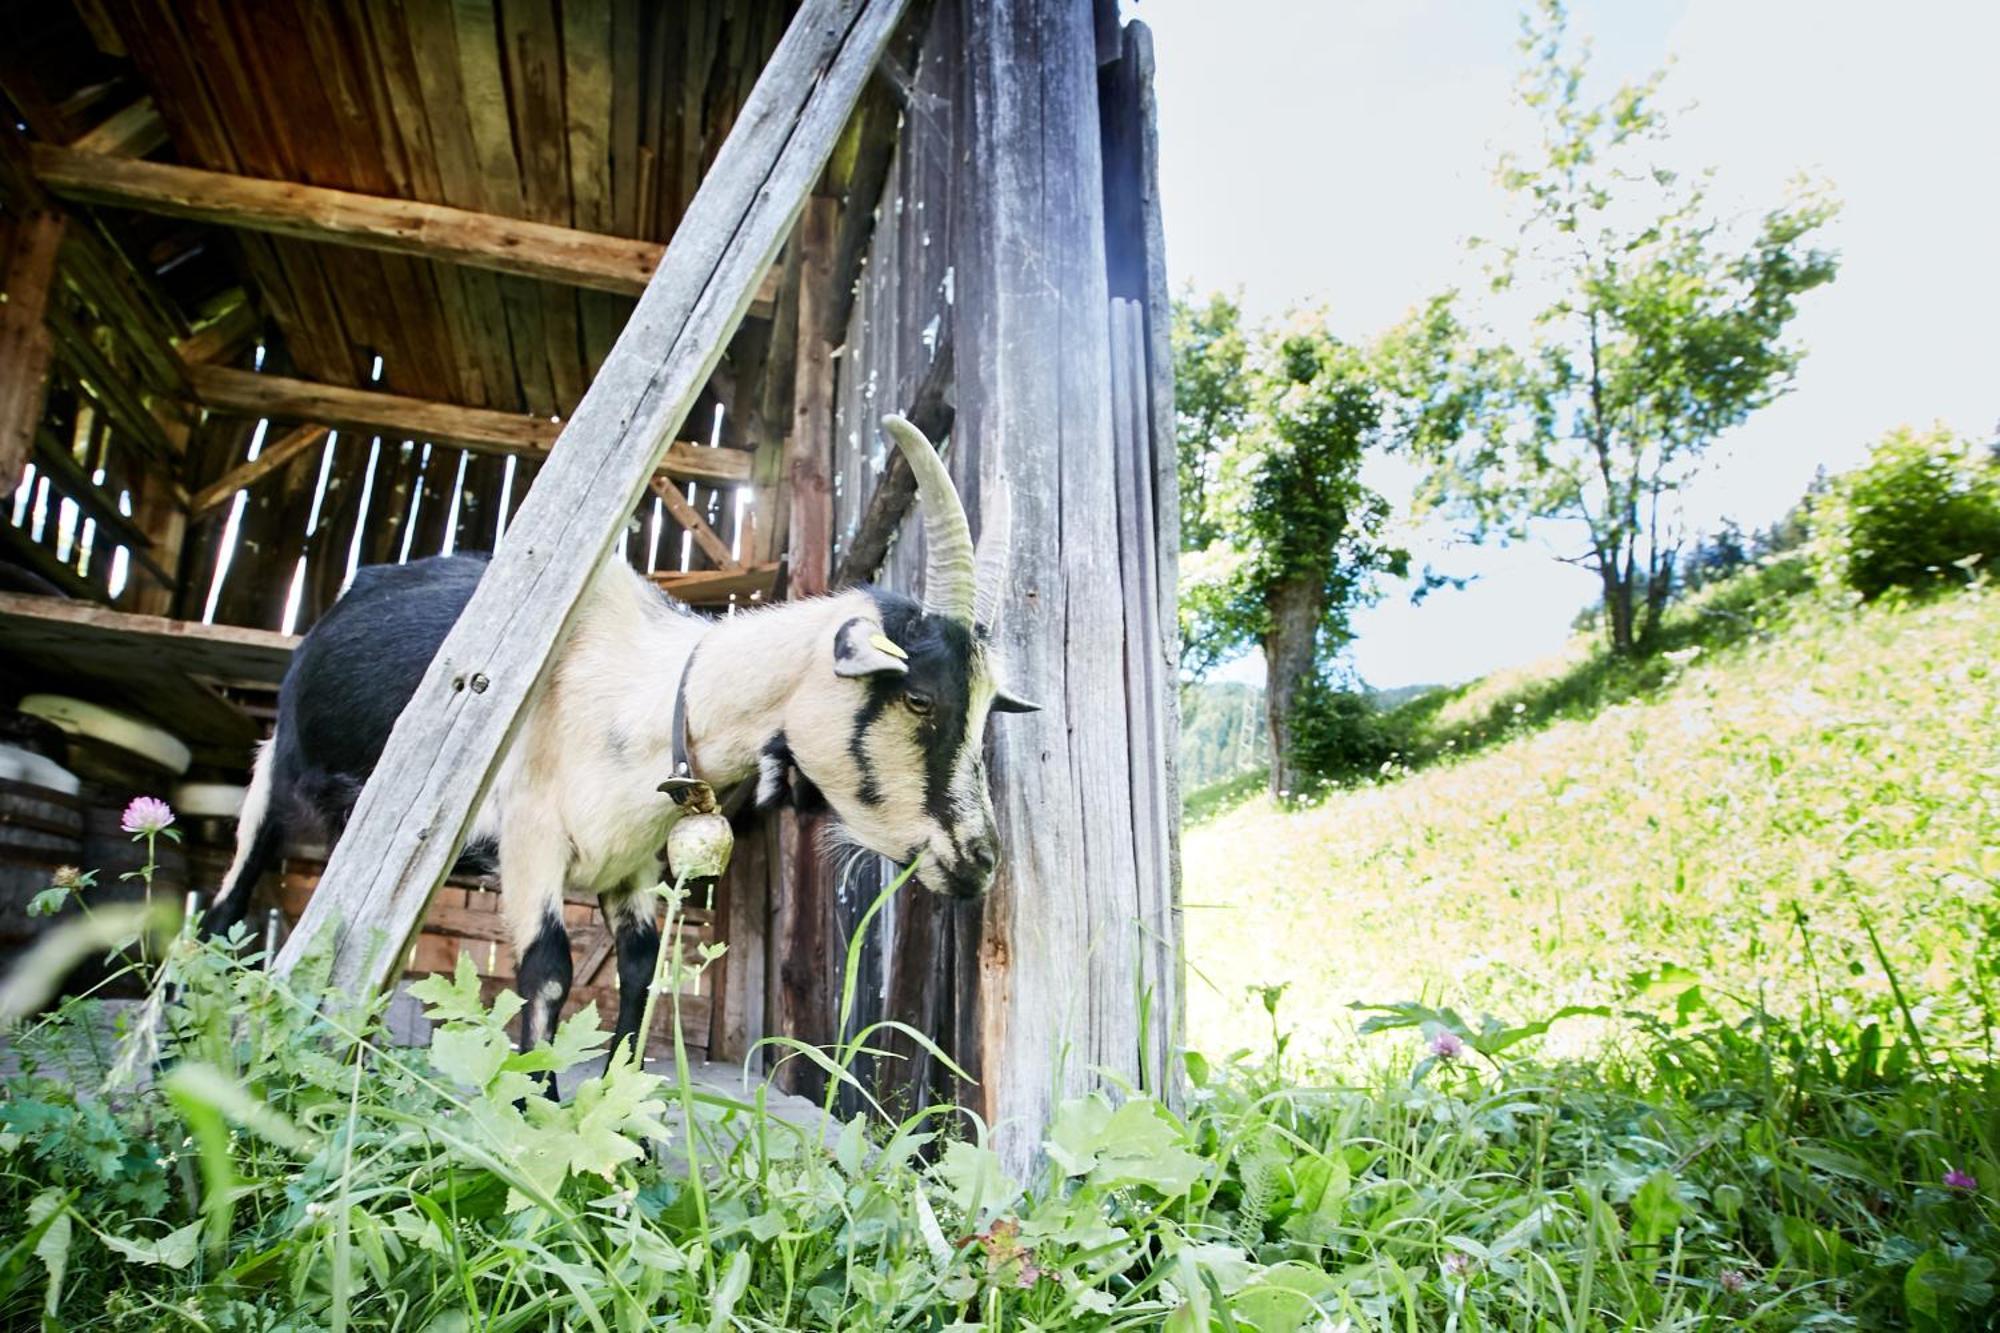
{"x":1005,"y":701}
{"x":862,"y":649}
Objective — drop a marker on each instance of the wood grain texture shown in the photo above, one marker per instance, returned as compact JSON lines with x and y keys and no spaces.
{"x":25,"y":344}
{"x":279,"y":453}
{"x":543,"y":250}
{"x":692,"y":521}
{"x":414,"y":813}
{"x":246,"y":393}
{"x":1059,"y":958}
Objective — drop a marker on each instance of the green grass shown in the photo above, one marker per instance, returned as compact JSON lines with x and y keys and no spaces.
{"x":1737,"y":911}
{"x":1763,"y":802}
{"x":1736,"y":925}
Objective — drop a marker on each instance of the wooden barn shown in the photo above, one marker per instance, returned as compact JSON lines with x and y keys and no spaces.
{"x":296,"y":286}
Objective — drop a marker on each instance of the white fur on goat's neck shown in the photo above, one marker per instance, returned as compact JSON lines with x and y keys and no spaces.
{"x":576,"y":802}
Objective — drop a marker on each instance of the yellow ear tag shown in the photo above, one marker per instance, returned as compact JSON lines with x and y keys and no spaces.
{"x":889,"y":646}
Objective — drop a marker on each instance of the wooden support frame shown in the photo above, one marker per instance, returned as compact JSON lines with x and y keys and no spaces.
{"x":26,"y":346}
{"x":270,"y":458}
{"x":249,"y":394}
{"x":315,"y":213}
{"x":415,"y":811}
{"x":690,"y":518}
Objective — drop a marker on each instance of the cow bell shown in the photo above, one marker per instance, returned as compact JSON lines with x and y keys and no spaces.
{"x":700,"y":841}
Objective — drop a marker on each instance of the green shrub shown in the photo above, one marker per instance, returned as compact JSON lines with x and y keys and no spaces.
{"x":1923,"y":509}
{"x":1340,"y":734}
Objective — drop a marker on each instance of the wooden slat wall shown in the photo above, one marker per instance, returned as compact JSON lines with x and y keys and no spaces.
{"x":1035,"y":988}
{"x":902,"y":314}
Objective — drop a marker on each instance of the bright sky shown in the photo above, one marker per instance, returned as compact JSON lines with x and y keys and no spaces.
{"x":1338,"y":151}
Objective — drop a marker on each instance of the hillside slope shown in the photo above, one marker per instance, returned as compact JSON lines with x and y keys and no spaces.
{"x":1845,"y":771}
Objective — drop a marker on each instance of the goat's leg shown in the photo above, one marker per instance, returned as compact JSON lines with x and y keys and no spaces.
{"x":633,"y":916}
{"x":533,"y":864}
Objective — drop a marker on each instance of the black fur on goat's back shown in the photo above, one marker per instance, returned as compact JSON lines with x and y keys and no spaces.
{"x":351,"y":675}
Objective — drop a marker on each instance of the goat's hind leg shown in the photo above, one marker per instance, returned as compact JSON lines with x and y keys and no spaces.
{"x":633,"y":916}
{"x":531,"y":893}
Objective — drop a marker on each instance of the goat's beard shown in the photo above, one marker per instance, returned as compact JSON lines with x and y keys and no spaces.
{"x":842,"y":854}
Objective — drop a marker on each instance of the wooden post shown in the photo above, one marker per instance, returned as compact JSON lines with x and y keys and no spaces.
{"x":1061,"y":963}
{"x":413,"y":815}
{"x":163,"y":517}
{"x":804,"y":976}
{"x":1149,"y":513}
{"x":25,"y":343}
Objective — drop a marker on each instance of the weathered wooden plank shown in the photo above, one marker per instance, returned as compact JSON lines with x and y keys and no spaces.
{"x":246,"y":393}
{"x":1056,"y":966}
{"x":627,"y":101}
{"x":112,"y":390}
{"x":742,"y":921}
{"x":132,"y":131}
{"x":226,"y":389}
{"x":587,"y":98}
{"x":25,"y":345}
{"x":224,"y":335}
{"x":691,"y":519}
{"x":414,"y":813}
{"x":809,"y":453}
{"x":1151,"y":898}
{"x":1136,"y":74}
{"x":279,"y":453}
{"x":719,"y":587}
{"x":400,"y":226}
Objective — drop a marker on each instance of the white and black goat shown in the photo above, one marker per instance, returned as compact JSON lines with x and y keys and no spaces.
{"x":865,"y":700}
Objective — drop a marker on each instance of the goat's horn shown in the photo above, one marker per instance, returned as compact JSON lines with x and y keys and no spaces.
{"x":991,"y":559}
{"x":948,"y":565}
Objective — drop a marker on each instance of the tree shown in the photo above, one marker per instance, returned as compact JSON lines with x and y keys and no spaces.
{"x":1211,"y":403}
{"x":1286,"y":539}
{"x":1666,"y":328}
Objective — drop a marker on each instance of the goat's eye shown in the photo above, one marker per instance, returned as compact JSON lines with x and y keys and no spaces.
{"x":920,"y":704}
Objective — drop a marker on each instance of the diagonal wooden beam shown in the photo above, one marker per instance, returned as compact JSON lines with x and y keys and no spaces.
{"x":269,"y":459}
{"x":133,"y":131}
{"x":228,"y":390}
{"x":690,"y":518}
{"x":315,"y":213}
{"x":415,"y":811}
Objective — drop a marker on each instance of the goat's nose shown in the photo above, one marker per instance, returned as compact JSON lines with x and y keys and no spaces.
{"x":985,"y":857}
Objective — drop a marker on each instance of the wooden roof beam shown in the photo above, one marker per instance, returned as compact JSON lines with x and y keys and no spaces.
{"x":246,"y":393}
{"x":315,"y":213}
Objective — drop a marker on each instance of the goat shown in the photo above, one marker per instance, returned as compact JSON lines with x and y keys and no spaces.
{"x":864,"y":700}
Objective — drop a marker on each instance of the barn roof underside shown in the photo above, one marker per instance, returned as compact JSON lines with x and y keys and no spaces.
{"x":331,"y":275}
{"x":599,"y":117}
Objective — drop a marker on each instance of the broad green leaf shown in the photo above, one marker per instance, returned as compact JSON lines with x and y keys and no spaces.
{"x":734,"y":1283}
{"x":577,"y":1038}
{"x":176,"y":1249}
{"x":469,"y":1055}
{"x":973,"y":1179}
{"x":1656,"y":1211}
{"x":1078,"y":1132}
{"x":453,"y":999}
{"x":52,"y":1248}
{"x":1139,"y":1143}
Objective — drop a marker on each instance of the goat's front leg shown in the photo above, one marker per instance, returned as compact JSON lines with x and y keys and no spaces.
{"x":533,"y":866}
{"x":633,"y":916}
